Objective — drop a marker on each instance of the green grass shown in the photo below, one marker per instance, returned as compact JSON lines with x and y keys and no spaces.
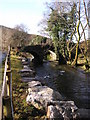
{"x":22,"y":111}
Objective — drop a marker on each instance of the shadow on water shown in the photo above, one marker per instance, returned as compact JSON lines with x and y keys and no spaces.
{"x":72,"y":83}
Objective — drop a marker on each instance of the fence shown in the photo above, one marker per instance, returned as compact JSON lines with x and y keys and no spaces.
{"x":6,"y":95}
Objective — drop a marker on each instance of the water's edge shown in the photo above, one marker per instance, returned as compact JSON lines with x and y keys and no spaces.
{"x":2,"y":58}
{"x":72,"y":83}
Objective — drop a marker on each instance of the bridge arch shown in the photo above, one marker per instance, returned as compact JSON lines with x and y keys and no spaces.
{"x":37,"y":52}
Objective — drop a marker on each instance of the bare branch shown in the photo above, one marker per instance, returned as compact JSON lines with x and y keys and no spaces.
{"x":86,"y":12}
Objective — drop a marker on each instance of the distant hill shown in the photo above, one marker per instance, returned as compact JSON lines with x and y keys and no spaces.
{"x":5,"y":36}
{"x":6,"y":33}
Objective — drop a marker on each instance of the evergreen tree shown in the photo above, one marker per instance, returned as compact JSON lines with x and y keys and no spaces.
{"x":60,"y":24}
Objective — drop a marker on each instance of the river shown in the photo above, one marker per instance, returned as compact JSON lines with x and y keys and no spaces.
{"x":2,"y":57}
{"x":73,"y":84}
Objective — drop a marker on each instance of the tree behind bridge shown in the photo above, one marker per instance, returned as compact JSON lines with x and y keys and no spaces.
{"x":60,"y":23}
{"x":20,"y":36}
{"x":64,"y":24}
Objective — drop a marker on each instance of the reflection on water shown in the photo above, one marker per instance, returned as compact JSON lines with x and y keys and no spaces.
{"x":72,"y":83}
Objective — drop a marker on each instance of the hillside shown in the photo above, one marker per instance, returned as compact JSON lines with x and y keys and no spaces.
{"x":6,"y":36}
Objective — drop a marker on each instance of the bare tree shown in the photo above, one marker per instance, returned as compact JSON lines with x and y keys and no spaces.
{"x":20,"y":36}
{"x":68,"y":22}
{"x":81,"y":26}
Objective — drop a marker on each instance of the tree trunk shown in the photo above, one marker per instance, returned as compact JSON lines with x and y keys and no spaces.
{"x":62,"y":60}
{"x":76,"y":56}
{"x":78,"y":32}
{"x":85,"y":52}
{"x":69,"y":55}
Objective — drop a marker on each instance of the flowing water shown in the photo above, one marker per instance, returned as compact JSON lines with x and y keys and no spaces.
{"x":72,"y":83}
{"x":2,"y":57}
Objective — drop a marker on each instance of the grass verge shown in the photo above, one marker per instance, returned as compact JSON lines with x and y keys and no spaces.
{"x":22,"y":111}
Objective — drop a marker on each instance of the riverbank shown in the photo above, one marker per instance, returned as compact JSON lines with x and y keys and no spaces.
{"x":21,"y":109}
{"x":44,"y":99}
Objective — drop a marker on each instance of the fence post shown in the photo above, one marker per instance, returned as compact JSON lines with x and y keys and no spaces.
{"x":7,"y":110}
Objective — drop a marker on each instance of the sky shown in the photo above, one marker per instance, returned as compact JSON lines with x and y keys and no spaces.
{"x":27,"y":12}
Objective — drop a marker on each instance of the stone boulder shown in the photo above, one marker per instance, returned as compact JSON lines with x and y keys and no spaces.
{"x":53,"y":112}
{"x":27,"y":73}
{"x":40,"y":95}
{"x":26,"y":67}
{"x":51,"y":101}
{"x":66,"y":110}
{"x":33,"y":84}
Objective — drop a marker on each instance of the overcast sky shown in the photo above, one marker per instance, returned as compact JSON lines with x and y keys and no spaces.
{"x":28,"y":12}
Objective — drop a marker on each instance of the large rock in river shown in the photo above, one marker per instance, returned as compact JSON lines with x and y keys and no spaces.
{"x":40,"y":95}
{"x":51,"y":101}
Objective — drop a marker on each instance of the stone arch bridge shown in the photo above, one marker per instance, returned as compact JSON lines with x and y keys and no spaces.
{"x":38,"y":51}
